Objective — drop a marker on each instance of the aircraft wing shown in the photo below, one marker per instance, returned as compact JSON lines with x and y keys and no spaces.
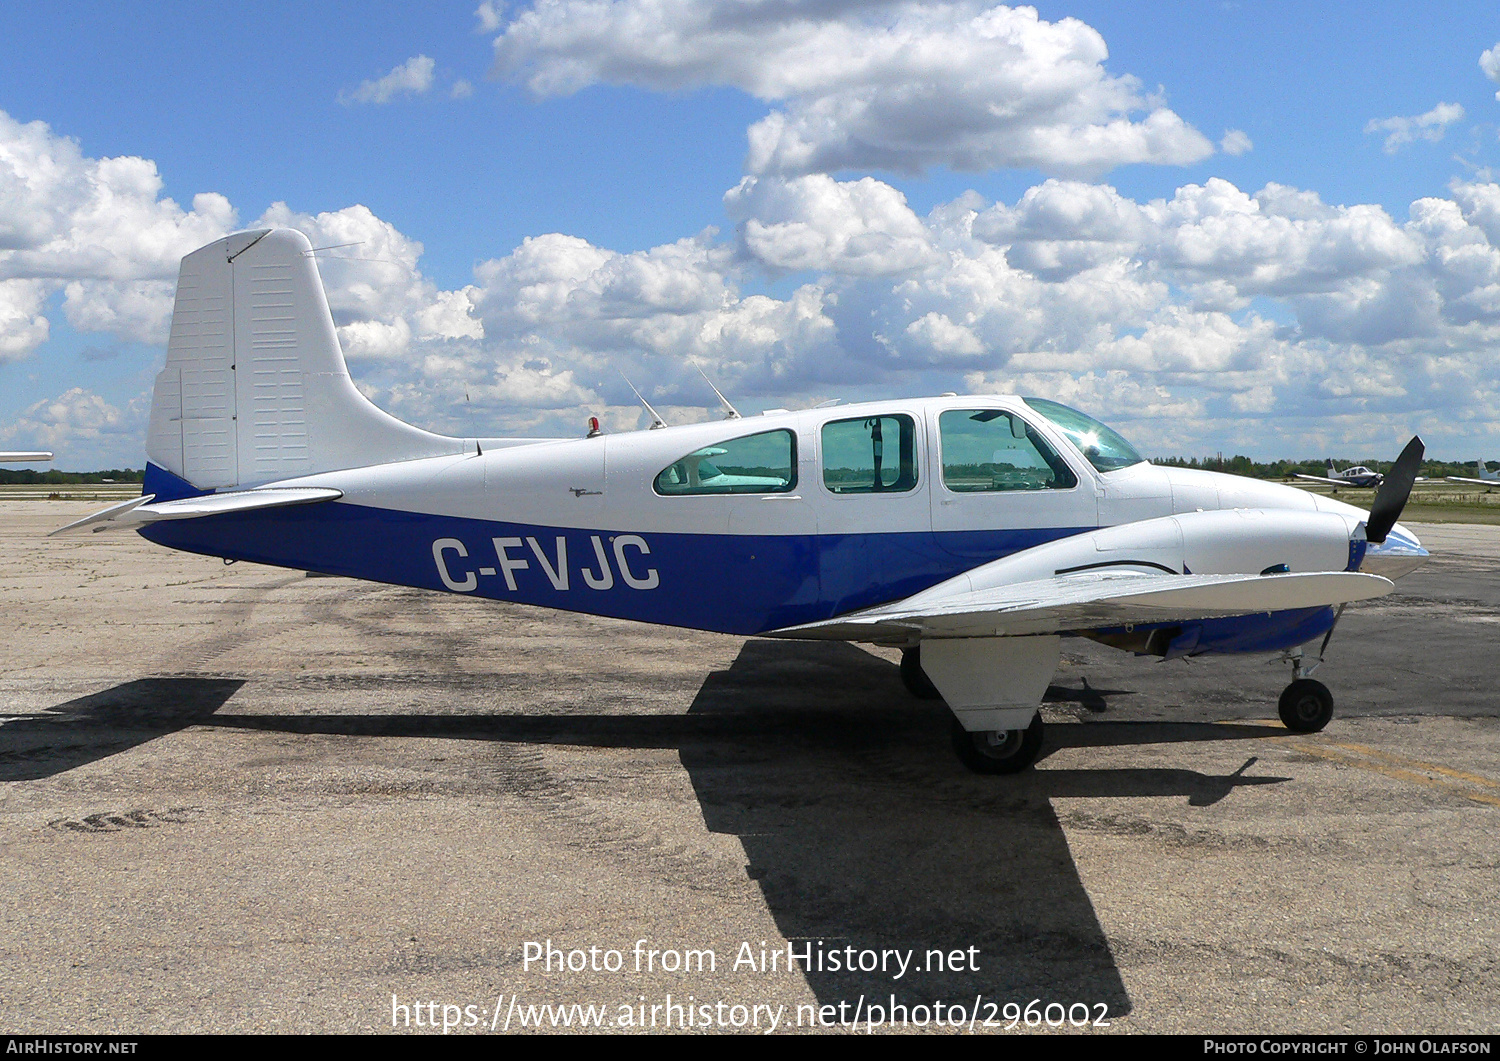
{"x":139,"y":511}
{"x":1476,"y":482}
{"x":1324,"y":479}
{"x":1094,"y":601}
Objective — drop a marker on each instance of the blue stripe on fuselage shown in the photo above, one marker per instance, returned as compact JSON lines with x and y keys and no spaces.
{"x":735,"y":584}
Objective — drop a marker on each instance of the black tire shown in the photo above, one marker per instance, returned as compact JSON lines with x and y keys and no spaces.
{"x":998,"y":751}
{"x":915,"y":678}
{"x":1306,"y":706}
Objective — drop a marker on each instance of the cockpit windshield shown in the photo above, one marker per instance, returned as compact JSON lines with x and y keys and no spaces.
{"x":1102,"y":446}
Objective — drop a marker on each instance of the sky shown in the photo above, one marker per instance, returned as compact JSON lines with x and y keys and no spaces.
{"x":1260,"y":228}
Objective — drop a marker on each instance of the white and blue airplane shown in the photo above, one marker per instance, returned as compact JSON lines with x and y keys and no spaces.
{"x":1358,"y":475}
{"x":973,"y":532}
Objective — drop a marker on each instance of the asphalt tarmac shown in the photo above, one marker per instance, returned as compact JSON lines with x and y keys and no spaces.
{"x":233,"y":798}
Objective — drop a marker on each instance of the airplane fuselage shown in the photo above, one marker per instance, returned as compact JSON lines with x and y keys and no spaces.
{"x":827,"y":511}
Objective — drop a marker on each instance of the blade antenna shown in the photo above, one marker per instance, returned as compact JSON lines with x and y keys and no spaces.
{"x":656,"y":420}
{"x":1391,"y":497}
{"x":734,"y":414}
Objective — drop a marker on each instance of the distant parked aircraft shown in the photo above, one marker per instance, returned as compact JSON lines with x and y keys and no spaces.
{"x":1485,"y":477}
{"x":1358,"y":475}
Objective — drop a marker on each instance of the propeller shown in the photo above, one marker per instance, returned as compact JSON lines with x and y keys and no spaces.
{"x":1390,"y":499}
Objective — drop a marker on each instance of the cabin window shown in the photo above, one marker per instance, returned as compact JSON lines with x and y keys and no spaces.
{"x":1101,"y":446}
{"x":870,"y":455}
{"x":987,"y":449}
{"x":756,"y":464}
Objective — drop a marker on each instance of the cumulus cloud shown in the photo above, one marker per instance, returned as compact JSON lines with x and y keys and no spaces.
{"x":411,"y":78}
{"x":488,"y":16}
{"x":1429,"y":126}
{"x":1213,"y":312}
{"x":66,"y":216}
{"x":896,"y":86}
{"x":562,"y":297}
{"x":1278,"y":241}
{"x":1489,"y":62}
{"x":138,"y":310}
{"x":1235,"y":142}
{"x":98,"y":228}
{"x":100,"y":233}
{"x":379,"y":297}
{"x":73,"y":420}
{"x":859,"y":227}
{"x":1226,"y":306}
{"x":22,"y":326}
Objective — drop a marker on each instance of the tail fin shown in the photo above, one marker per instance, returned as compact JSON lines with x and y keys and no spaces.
{"x":255,"y":388}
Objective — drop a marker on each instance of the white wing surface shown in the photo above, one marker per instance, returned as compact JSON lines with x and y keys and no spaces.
{"x":1093,"y":601}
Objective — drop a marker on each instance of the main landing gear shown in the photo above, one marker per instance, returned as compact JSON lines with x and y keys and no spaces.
{"x":1006,"y":751}
{"x":914,"y":677}
{"x":994,"y":752}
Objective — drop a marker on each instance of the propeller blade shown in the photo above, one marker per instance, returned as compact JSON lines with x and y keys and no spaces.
{"x":1390,"y":499}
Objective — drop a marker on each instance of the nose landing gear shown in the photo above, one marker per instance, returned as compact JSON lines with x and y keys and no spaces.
{"x":1306,"y":706}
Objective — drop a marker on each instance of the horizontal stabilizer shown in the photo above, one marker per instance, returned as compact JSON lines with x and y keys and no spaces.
{"x":139,"y":511}
{"x":1099,"y":601}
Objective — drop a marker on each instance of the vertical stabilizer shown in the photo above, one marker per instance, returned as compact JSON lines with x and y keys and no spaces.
{"x":255,"y":388}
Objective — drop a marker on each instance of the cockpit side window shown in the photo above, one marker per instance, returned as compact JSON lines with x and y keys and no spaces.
{"x":755,"y":464}
{"x":987,"y":449}
{"x":870,"y":455}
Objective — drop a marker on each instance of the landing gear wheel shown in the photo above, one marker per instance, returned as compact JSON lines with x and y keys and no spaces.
{"x":999,"y":751}
{"x":915,"y":678}
{"x":1306,"y":706}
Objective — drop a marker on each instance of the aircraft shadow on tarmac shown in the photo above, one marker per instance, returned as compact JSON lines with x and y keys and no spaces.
{"x":106,"y":723}
{"x":865,"y":832}
{"x":859,"y":825}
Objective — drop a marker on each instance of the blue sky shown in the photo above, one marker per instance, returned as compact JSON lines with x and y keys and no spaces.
{"x":1196,"y":223}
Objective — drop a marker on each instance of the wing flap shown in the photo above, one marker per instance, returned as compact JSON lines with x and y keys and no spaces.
{"x":139,"y":511}
{"x":1085,"y":602}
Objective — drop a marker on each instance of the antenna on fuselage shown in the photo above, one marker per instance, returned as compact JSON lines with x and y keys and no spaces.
{"x":656,"y":420}
{"x":734,"y":414}
{"x":478,"y":447}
